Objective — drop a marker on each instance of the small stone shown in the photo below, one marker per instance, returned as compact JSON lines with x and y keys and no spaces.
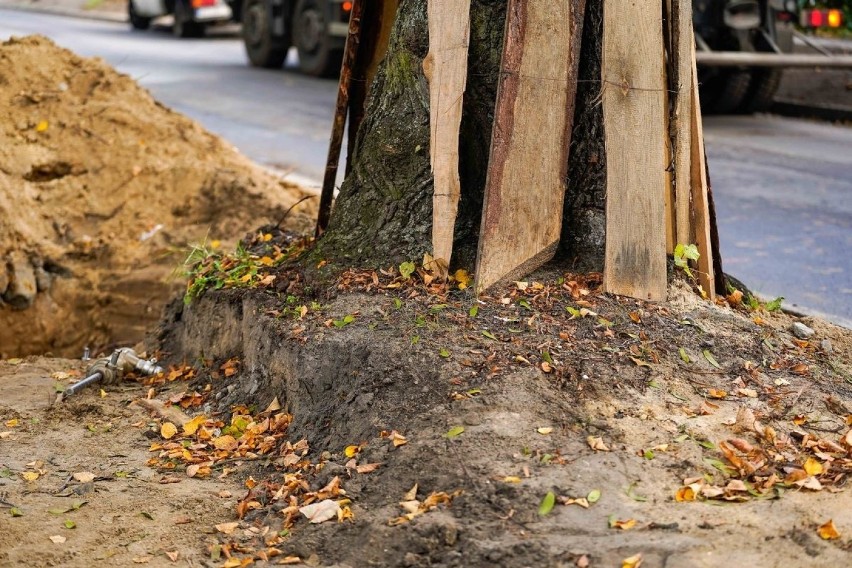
{"x":21,"y":290}
{"x":43,"y":279}
{"x":801,"y":331}
{"x":826,"y":346}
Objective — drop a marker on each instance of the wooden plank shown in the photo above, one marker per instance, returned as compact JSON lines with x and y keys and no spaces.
{"x":701,"y":209}
{"x":525,"y":186}
{"x":635,"y":134}
{"x":445,"y":67}
{"x":680,"y":70}
{"x":671,"y":230}
{"x":333,"y":161}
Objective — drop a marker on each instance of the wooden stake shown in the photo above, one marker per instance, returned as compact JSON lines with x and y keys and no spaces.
{"x":525,"y":186}
{"x":446,"y":70}
{"x":681,"y":64}
{"x":634,"y":110}
{"x":331,"y":164}
{"x":701,"y":209}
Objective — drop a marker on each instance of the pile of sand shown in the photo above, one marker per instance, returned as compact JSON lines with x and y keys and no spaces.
{"x":102,"y":189}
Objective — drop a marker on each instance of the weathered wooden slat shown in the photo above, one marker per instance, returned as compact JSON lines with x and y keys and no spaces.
{"x":634,"y":111}
{"x":680,"y":69}
{"x":446,"y":70}
{"x":700,"y":206}
{"x":525,"y":187}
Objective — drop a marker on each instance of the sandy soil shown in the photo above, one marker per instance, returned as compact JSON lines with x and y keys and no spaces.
{"x":102,"y":190}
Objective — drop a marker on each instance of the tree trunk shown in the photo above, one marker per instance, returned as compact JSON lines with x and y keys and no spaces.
{"x":383,"y":215}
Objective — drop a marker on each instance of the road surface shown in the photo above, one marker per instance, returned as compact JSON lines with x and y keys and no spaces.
{"x":783,"y":187}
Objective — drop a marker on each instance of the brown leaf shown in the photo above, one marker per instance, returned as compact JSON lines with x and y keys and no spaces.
{"x":828,"y":531}
{"x":367,"y":467}
{"x":597,"y":444}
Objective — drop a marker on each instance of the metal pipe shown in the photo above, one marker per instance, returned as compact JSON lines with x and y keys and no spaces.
{"x":746,"y":59}
{"x":78,"y":386}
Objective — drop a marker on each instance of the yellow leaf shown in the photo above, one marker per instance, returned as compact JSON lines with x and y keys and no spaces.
{"x":828,"y":531}
{"x":266,"y":261}
{"x":30,"y":475}
{"x":715,"y":393}
{"x":168,"y":430}
{"x":103,"y":393}
{"x":13,"y":423}
{"x":511,"y":479}
{"x":685,"y":493}
{"x":463,"y":278}
{"x":634,"y":561}
{"x":623,"y":525}
{"x":544,"y":430}
{"x":41,"y":126}
{"x":350,"y":451}
{"x":267,"y":237}
{"x":245,"y":277}
{"x":193,"y":425}
{"x":215,"y":244}
{"x":813,"y":467}
{"x":232,"y":562}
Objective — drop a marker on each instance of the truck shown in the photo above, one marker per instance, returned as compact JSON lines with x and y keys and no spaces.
{"x":316,"y":28}
{"x":191,"y":17}
{"x":753,"y":29}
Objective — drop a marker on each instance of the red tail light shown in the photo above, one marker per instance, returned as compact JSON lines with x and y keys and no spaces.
{"x":203,"y":3}
{"x":822,"y":18}
{"x":346,"y":6}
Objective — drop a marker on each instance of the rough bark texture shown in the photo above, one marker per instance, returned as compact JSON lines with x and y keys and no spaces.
{"x":584,"y":222}
{"x":383,"y":214}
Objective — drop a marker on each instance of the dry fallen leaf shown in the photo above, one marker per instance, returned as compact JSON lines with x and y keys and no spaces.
{"x":321,"y":511}
{"x":142,"y":559}
{"x":84,"y":476}
{"x":634,"y":561}
{"x":545,"y":430}
{"x":168,"y":430}
{"x":227,"y":528}
{"x":623,"y":525}
{"x":173,"y":555}
{"x":367,"y":467}
{"x":597,"y":444}
{"x":191,"y":427}
{"x":58,"y":539}
{"x":813,"y":467}
{"x":30,"y":475}
{"x":411,"y":494}
{"x":828,"y":531}
{"x":226,"y":442}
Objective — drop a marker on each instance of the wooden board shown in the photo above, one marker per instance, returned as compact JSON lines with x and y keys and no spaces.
{"x":681,"y":57}
{"x":635,"y":133}
{"x":701,"y":208}
{"x":525,"y":186}
{"x":446,"y":70}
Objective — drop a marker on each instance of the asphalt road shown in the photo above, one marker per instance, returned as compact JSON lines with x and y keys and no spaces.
{"x":783,"y":187}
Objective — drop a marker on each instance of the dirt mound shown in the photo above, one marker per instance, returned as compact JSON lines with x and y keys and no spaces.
{"x":101,"y":190}
{"x":632,"y":418}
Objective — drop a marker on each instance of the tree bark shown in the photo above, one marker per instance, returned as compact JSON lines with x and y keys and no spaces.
{"x":383,"y":215}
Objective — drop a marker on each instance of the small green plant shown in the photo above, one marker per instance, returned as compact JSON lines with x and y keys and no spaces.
{"x":683,"y":254}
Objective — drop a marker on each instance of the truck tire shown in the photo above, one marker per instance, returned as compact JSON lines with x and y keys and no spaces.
{"x":137,"y":22}
{"x":725,"y":92}
{"x":312,"y":40}
{"x":262,"y":48}
{"x":185,"y":26}
{"x":761,"y":93}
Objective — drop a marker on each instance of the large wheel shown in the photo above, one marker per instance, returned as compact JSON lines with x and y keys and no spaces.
{"x":761,"y":93}
{"x":137,"y":22}
{"x":725,"y":91}
{"x":184,"y":25}
{"x":312,"y":40}
{"x":262,"y":48}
